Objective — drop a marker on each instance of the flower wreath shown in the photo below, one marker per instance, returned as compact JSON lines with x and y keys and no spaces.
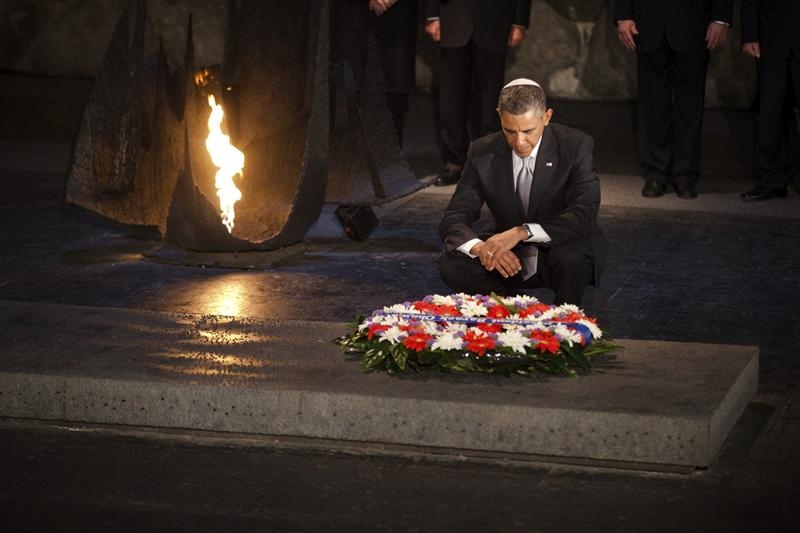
{"x":492,"y":334}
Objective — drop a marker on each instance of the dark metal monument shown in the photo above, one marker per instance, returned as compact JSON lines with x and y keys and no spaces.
{"x":140,"y":158}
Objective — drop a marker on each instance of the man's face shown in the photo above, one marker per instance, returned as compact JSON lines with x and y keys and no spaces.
{"x":524,"y":131}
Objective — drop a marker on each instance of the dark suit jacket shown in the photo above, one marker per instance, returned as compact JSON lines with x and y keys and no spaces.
{"x":487,"y":22}
{"x":775,"y":24}
{"x":683,"y":21}
{"x":565,"y":193}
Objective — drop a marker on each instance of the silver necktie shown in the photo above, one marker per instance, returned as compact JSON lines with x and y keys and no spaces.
{"x":528,"y":254}
{"x":524,"y":180}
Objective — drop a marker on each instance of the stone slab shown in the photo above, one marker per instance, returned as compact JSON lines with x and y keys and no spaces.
{"x":662,"y":403}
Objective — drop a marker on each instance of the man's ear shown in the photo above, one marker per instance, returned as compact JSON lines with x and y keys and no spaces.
{"x":547,"y":116}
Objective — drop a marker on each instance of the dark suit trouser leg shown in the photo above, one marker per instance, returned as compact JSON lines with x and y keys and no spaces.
{"x":396,"y":36}
{"x":349,"y":38}
{"x":464,"y":274}
{"x":489,"y":70}
{"x":689,"y":82}
{"x":454,"y":95}
{"x":567,"y":269}
{"x":790,"y":146}
{"x":775,"y":77}
{"x":653,"y":68}
{"x":794,"y":128}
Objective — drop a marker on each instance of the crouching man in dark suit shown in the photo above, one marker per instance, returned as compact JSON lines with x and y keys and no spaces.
{"x":537,"y":179}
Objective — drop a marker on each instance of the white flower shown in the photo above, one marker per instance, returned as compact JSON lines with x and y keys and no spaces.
{"x":455,"y":327}
{"x":596,"y":332}
{"x":548,"y":315}
{"x":430,"y":327}
{"x":513,"y":327}
{"x":476,"y":332}
{"x":514,"y":340}
{"x":522,"y":300}
{"x":438,"y":299}
{"x":393,"y":335}
{"x":448,"y":341}
{"x":569,"y":308}
{"x":388,"y":320}
{"x":473,"y":308}
{"x":569,"y":335}
{"x":399,"y":308}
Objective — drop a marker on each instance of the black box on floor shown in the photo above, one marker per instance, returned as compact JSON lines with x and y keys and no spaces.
{"x":358,"y":220}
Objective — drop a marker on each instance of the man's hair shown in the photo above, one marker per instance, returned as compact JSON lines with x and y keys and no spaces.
{"x":519,"y":99}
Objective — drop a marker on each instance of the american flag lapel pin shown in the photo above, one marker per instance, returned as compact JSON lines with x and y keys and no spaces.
{"x":549,"y":164}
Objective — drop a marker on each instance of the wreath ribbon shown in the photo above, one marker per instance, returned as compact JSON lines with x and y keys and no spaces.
{"x":577,"y":326}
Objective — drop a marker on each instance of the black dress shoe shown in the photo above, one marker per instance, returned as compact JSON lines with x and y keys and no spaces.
{"x":447,"y":177}
{"x":653,"y":189}
{"x":760,"y":192}
{"x":686,"y":189}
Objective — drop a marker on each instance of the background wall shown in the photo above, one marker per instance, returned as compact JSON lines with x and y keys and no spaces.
{"x":571,"y":47}
{"x":69,"y":37}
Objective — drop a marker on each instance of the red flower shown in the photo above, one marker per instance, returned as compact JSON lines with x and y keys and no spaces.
{"x":417,"y":341}
{"x":423,"y":307}
{"x":433,"y":309}
{"x":546,"y":341}
{"x":478,"y":341}
{"x":571,"y":317}
{"x":551,"y":345}
{"x":414,"y":326}
{"x":541,"y":334}
{"x":533,"y":310}
{"x":498,"y":311}
{"x":447,"y":310}
{"x":490,"y":328}
{"x":375,"y":328}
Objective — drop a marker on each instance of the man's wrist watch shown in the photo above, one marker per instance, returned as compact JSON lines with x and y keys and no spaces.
{"x":527,"y":230}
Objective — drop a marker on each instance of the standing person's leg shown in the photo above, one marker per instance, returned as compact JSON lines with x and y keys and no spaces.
{"x":396,"y":36}
{"x":790,"y":139}
{"x":794,"y":70}
{"x":488,"y":75}
{"x":655,"y":117}
{"x":689,"y":82}
{"x":454,"y":87}
{"x":772,"y":83}
{"x":350,"y":21}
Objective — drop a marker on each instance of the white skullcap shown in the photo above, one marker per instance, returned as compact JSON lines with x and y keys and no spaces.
{"x":521,"y":81}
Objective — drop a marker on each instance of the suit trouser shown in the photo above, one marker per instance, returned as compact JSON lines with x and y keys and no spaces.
{"x":567,"y":269}
{"x":396,"y":36}
{"x":671,"y":99}
{"x":471,"y":79}
{"x":778,"y":73}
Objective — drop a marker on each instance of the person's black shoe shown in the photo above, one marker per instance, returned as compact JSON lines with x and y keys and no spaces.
{"x":653,"y":189}
{"x":760,"y":192}
{"x":448,"y":176}
{"x":685,"y":189}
